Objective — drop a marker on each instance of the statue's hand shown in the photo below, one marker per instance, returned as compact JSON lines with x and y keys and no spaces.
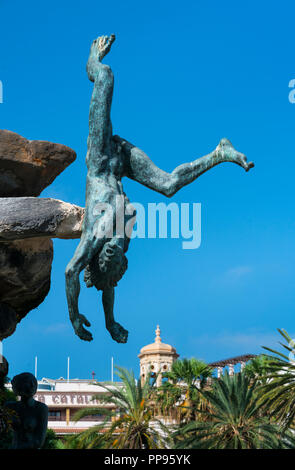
{"x":79,"y":328}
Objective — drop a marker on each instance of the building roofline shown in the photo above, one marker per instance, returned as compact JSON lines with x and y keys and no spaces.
{"x":232,"y":360}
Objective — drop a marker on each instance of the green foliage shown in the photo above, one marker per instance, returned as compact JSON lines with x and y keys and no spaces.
{"x":52,"y":441}
{"x":189,"y":371}
{"x":258,"y":368}
{"x":92,"y":438}
{"x":235,"y":421}
{"x":254,"y":409}
{"x":278,"y":393}
{"x":186,"y":378}
{"x":6,"y":417}
{"x":131,"y":416}
{"x":167,"y":397}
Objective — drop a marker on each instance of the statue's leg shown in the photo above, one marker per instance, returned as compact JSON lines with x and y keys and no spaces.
{"x":100,"y":47}
{"x":118,"y":333}
{"x":100,"y":127}
{"x":86,"y":249}
{"x":140,"y":167}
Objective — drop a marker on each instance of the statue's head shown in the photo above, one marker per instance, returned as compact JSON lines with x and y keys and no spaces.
{"x":107,"y":268}
{"x":24,"y":385}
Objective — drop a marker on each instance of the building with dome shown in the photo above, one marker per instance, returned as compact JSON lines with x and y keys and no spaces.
{"x":156,"y":358}
{"x":64,"y":397}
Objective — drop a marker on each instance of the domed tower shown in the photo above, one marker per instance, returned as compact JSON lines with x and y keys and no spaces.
{"x":156,"y":358}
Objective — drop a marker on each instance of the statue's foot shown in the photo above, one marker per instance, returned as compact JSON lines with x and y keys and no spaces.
{"x":80,"y":330}
{"x":102,"y":45}
{"x":228,"y":153}
{"x":118,"y":333}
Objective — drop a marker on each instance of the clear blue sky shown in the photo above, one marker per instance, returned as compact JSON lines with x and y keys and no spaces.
{"x":186,"y":74}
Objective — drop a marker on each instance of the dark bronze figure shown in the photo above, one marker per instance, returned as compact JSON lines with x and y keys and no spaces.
{"x":30,"y":416}
{"x":109,"y":159}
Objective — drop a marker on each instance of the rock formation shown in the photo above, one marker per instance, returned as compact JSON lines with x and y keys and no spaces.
{"x":28,"y":223}
{"x":24,"y":279}
{"x":28,"y":217}
{"x":29,"y":166}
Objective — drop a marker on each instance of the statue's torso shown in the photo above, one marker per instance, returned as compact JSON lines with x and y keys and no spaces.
{"x":26,"y":423}
{"x":105,"y":172}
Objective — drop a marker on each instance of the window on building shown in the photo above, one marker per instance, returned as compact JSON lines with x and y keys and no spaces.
{"x":54,"y":415}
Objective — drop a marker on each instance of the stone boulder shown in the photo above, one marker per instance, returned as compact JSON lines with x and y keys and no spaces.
{"x":25,"y":268}
{"x":27,"y":223}
{"x":29,"y":166}
{"x":28,"y":217}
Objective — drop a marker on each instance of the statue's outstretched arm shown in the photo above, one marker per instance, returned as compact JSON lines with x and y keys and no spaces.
{"x":139,"y":167}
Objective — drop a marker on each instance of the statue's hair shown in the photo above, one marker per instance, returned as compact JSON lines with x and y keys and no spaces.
{"x":24,"y":384}
{"x":106,"y":268}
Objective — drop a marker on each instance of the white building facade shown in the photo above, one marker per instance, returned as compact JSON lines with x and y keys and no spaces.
{"x":65,"y":397}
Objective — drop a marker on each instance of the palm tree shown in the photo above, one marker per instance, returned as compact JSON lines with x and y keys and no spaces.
{"x":92,"y":438}
{"x":129,"y":424}
{"x":234,"y":421}
{"x":182,"y":391}
{"x":166,"y":399}
{"x":278,"y":393}
{"x":258,"y":368}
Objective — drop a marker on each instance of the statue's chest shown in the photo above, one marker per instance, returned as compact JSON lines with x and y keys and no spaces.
{"x":27,"y":419}
{"x":29,"y":423}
